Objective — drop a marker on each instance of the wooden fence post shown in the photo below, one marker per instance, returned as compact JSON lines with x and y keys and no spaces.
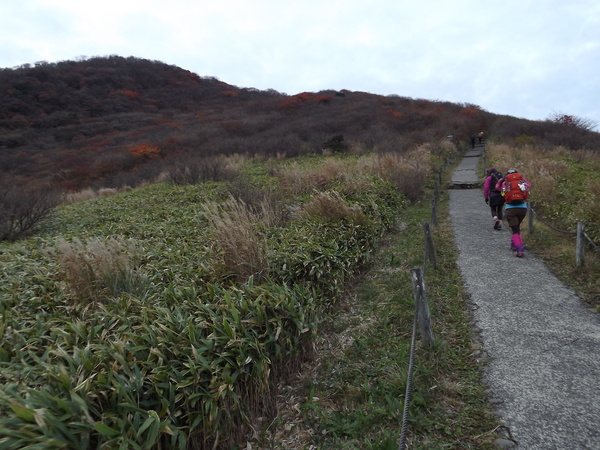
{"x":580,"y":245}
{"x":530,"y":217}
{"x":429,"y":249}
{"x":483,"y":161}
{"x":422,"y":307}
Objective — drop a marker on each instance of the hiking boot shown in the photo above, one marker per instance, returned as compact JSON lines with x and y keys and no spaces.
{"x":520,"y":249}
{"x":497,"y":225}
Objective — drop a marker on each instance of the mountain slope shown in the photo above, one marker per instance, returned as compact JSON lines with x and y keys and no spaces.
{"x":109,"y":121}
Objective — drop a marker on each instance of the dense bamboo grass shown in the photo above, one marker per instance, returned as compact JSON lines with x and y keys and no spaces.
{"x":123,"y":326}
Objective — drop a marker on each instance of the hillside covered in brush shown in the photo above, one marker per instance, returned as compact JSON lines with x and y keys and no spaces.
{"x":115,"y":121}
{"x":270,"y":306}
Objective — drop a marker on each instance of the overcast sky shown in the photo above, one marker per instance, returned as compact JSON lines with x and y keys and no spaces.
{"x":524,"y":58}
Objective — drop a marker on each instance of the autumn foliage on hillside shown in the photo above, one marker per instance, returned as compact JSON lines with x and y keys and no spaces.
{"x":145,"y":151}
{"x":113,"y":121}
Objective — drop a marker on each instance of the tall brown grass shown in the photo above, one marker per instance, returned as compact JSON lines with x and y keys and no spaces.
{"x":295,"y":179}
{"x":89,"y":193}
{"x":331,"y":207}
{"x":240,"y":246}
{"x":408,"y":172}
{"x":269,"y":203}
{"x":194,"y":170}
{"x":98,"y":268}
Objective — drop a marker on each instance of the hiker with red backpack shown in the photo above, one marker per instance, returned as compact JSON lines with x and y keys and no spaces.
{"x":515,"y":189}
{"x":493,"y":197}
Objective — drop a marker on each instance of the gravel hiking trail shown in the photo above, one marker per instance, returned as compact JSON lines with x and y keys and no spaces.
{"x":540,"y":342}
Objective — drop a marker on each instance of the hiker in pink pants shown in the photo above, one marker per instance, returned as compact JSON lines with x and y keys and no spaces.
{"x":516,"y":192}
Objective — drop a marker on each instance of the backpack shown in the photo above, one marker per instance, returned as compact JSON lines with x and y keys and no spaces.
{"x":514,"y":189}
{"x":495,"y":177}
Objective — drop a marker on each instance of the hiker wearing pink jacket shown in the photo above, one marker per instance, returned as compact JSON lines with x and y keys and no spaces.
{"x":493,"y":197}
{"x":515,"y":189}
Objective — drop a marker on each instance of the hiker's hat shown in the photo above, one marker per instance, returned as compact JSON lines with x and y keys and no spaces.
{"x":491,"y":170}
{"x":512,"y":171}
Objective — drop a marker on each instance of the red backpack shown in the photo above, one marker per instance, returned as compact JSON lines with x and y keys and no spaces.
{"x":514,"y":189}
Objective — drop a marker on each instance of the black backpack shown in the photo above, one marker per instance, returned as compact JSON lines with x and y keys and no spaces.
{"x":495,"y":178}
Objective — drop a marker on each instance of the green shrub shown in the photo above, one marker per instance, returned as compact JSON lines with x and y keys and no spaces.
{"x":144,"y":374}
{"x":336,"y":144}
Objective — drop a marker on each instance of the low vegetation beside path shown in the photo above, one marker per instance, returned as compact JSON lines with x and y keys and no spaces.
{"x":272,"y":309}
{"x":166,"y":316}
{"x":352,"y":395}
